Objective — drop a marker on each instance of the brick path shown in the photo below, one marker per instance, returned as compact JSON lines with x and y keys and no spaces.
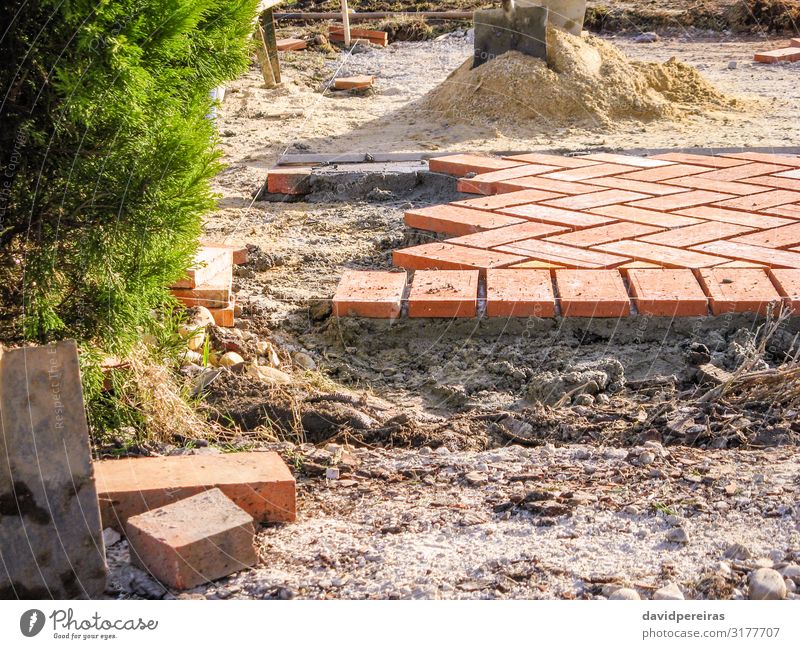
{"x":603,"y":235}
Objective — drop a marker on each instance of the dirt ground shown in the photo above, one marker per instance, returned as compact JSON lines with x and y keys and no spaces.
{"x":452,"y":486}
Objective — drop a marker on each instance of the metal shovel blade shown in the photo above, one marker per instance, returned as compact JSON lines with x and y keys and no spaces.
{"x":496,"y":32}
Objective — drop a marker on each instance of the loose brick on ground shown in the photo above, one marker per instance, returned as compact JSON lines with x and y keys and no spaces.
{"x":288,"y":180}
{"x":565,"y":162}
{"x":589,"y":237}
{"x":583,"y":173}
{"x":487,"y":183}
{"x":567,"y":256}
{"x":259,"y":483}
{"x":629,"y":160}
{"x":462,"y":164}
{"x":502,"y":236}
{"x":216,"y":293}
{"x":455,"y":220}
{"x":733,"y":216}
{"x":592,"y":294}
{"x":209,"y":263}
{"x":698,"y":159}
{"x":663,"y":255}
{"x":567,"y":218}
{"x":291,"y":44}
{"x":443,"y":294}
{"x":738,"y":290}
{"x":678,"y":201}
{"x":239,"y":252}
{"x":646,"y":217}
{"x":694,"y":234}
{"x":760,"y":202}
{"x":445,"y":256}
{"x":519,"y":293}
{"x":192,"y":541}
{"x":784,"y":237}
{"x":653,"y":189}
{"x":510,"y":199}
{"x":787,"y":283}
{"x":369,"y":294}
{"x":668,"y":292}
{"x":786,"y":54}
{"x":597,"y":199}
{"x":360,"y":82}
{"x":546,"y":184}
{"x":767,"y":256}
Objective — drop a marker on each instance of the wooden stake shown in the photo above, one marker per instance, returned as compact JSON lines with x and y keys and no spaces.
{"x":268,"y":50}
{"x":346,"y":23}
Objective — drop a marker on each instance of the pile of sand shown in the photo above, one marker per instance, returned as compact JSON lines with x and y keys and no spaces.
{"x":585,"y":80}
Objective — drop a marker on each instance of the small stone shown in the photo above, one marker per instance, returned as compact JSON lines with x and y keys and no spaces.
{"x":229,"y":359}
{"x":678,"y":535}
{"x":766,"y":583}
{"x":791,"y":587}
{"x":732,"y":65}
{"x":304,"y":361}
{"x":646,"y":37}
{"x":110,"y":537}
{"x":792,"y":571}
{"x":190,"y":357}
{"x":265,"y":350}
{"x":602,"y":399}
{"x":670,"y":591}
{"x":624,"y":593}
{"x":268,"y":375}
{"x":583,"y":400}
{"x":648,"y":457}
{"x":738,"y":552}
{"x":331,"y":473}
{"x":476,"y":479}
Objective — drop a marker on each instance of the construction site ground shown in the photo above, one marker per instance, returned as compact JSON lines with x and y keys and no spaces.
{"x":459,"y":480}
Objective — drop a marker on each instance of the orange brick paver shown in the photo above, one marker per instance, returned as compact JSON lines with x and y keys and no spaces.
{"x":684,"y":230}
{"x":369,"y":294}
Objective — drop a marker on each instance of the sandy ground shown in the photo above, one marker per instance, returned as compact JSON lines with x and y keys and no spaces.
{"x":575,"y":521}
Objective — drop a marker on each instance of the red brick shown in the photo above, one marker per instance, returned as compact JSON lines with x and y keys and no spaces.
{"x":733,"y":216}
{"x":510,"y":199}
{"x":787,"y":283}
{"x":583,"y":173}
{"x":487,"y":183}
{"x":667,"y":292}
{"x":694,"y":234}
{"x":785,"y":237}
{"x":697,"y":159}
{"x":567,"y":256}
{"x":733,"y":187}
{"x":224,"y":316}
{"x":216,"y":293}
{"x":259,"y":483}
{"x":589,"y":237}
{"x":288,"y":180}
{"x":564,"y":162}
{"x":738,"y":290}
{"x":759,"y":202}
{"x":360,"y":82}
{"x":455,"y":220}
{"x":546,"y":184}
{"x":654,"y":189}
{"x":779,"y":181}
{"x":647,"y":217}
{"x":767,"y":256}
{"x":193,"y":541}
{"x":663,"y":255}
{"x":291,"y":44}
{"x":792,"y":211}
{"x":630,"y":160}
{"x":462,"y":164}
{"x":374,"y":36}
{"x":678,"y":201}
{"x":502,"y":236}
{"x":596,"y":199}
{"x":786,"y":54}
{"x":443,"y":294}
{"x":742,"y":172}
{"x":592,"y":294}
{"x":445,"y":256}
{"x":519,"y":293}
{"x":769,"y":158}
{"x":239,"y":252}
{"x":658,"y":174}
{"x":369,"y":294}
{"x":209,"y":263}
{"x":567,"y":218}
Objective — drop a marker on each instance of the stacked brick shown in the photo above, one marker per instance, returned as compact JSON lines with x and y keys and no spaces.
{"x":209,"y":282}
{"x":602,"y":235}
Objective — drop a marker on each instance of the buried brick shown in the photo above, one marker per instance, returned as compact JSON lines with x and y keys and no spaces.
{"x":369,"y":294}
{"x":259,"y":483}
{"x":354,"y":83}
{"x":192,"y":541}
{"x":51,"y":540}
{"x":443,"y":294}
{"x":289,"y":180}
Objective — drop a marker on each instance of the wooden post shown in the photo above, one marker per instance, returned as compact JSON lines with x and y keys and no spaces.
{"x":346,"y":23}
{"x":268,"y":49}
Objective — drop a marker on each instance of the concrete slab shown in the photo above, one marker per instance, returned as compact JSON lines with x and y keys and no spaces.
{"x":51,"y":540}
{"x":497,"y":33}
